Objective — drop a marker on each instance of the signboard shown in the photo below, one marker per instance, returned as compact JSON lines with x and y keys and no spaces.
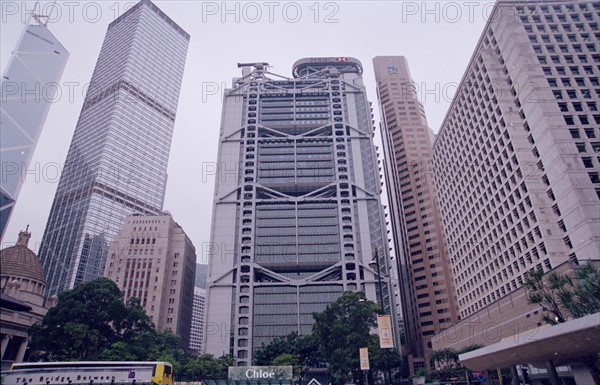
{"x":364,"y":358}
{"x":243,"y":373}
{"x":384,"y":325}
{"x":67,"y":375}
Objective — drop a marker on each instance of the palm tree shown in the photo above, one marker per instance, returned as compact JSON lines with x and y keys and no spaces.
{"x":446,"y":358}
{"x":561,"y":296}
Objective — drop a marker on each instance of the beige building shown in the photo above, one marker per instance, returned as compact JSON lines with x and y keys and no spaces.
{"x":154,"y":260}
{"x":516,"y":160}
{"x":23,"y":286}
{"x":517,"y":165}
{"x":426,"y":284}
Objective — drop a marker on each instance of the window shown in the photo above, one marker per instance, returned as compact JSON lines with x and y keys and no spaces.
{"x":587,"y":162}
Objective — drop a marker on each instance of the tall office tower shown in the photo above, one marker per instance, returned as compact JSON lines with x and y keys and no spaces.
{"x":429,"y":303}
{"x":117,"y":161}
{"x":297,"y":214}
{"x":517,"y":159}
{"x":201,"y":270}
{"x":29,"y":87}
{"x":198,"y":316}
{"x":152,"y":258}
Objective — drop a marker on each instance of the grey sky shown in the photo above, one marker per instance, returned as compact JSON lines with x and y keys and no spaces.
{"x":438,"y":39}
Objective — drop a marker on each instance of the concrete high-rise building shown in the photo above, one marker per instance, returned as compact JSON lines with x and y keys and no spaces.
{"x":117,"y":161}
{"x":29,"y":86}
{"x":198,"y":316}
{"x":297,"y":213}
{"x":428,"y":298}
{"x":152,"y":258}
{"x":516,"y":160}
{"x":201,"y":270}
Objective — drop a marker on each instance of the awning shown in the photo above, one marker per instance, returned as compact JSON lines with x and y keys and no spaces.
{"x":563,"y":343}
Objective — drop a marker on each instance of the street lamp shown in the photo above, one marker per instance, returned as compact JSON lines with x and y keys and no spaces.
{"x":374,"y":264}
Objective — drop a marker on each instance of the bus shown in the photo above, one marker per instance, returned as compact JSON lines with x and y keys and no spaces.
{"x":90,"y":373}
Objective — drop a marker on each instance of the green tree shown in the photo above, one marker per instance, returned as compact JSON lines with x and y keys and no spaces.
{"x":278,"y":346}
{"x":444,"y":358}
{"x":470,"y":348}
{"x":563,"y":298}
{"x":342,"y":329}
{"x":587,"y":292}
{"x":206,"y":367}
{"x":299,"y":351}
{"x":87,"y":320}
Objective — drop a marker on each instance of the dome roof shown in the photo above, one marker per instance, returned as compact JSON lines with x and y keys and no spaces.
{"x":20,"y":261}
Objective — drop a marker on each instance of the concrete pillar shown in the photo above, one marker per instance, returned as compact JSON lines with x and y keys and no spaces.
{"x":22,"y":350}
{"x":4,"y":344}
{"x":582,"y":374}
{"x":552,"y":374}
{"x":514,"y":374}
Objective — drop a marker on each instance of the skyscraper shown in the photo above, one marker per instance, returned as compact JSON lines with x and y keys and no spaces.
{"x":152,"y":258}
{"x":517,"y":160}
{"x":198,"y":317}
{"x":29,"y":86}
{"x":426,"y":281}
{"x":297,"y":215}
{"x":117,"y":161}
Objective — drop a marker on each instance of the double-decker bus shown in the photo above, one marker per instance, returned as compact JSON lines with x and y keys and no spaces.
{"x":90,"y":373}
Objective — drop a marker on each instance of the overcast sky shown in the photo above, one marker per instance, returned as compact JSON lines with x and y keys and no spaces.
{"x":438,"y":39}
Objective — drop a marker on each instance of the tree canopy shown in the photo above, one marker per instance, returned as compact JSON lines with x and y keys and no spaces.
{"x":338,"y":333}
{"x":88,"y":320}
{"x":91,"y":322}
{"x":562,"y":297}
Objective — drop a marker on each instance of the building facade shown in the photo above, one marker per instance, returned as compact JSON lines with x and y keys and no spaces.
{"x":427,"y":287}
{"x":22,"y":305}
{"x":29,"y":85}
{"x":198,"y":316}
{"x":117,"y":161}
{"x":516,"y":160}
{"x":151,"y":258}
{"x":297,"y":215}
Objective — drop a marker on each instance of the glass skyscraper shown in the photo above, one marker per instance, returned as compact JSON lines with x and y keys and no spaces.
{"x":29,"y":86}
{"x":117,"y":161}
{"x":297,"y":215}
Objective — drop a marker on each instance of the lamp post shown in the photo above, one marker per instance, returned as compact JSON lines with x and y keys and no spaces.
{"x":374,"y":264}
